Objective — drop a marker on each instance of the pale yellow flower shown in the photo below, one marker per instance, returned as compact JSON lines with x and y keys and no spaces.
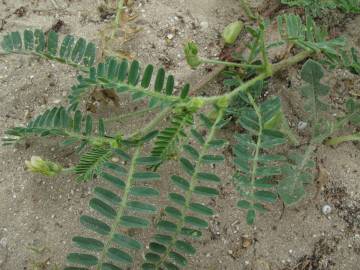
{"x":38,"y":165}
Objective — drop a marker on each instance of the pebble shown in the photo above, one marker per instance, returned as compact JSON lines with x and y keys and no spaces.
{"x":204,"y":25}
{"x":302,"y":125}
{"x":326,"y":209}
{"x":3,"y":251}
{"x":261,"y":265}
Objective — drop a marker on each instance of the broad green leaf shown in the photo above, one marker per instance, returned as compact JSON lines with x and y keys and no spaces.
{"x":107,"y":195}
{"x":133,"y":222}
{"x":180,"y":182}
{"x":201,"y":209}
{"x":159,"y":81}
{"x":134,"y":72}
{"x":167,"y":226}
{"x":312,"y":72}
{"x":185,"y":247}
{"x":88,"y":243}
{"x":152,"y":257}
{"x":102,"y":208}
{"x":196,"y":222}
{"x":52,"y":44}
{"x":95,"y":225}
{"x":191,"y":151}
{"x":147,"y":76}
{"x":187,"y":166}
{"x":250,"y":217}
{"x":178,"y":259}
{"x":119,"y":256}
{"x":126,"y":242}
{"x":177,"y":198}
{"x":265,"y":196}
{"x":82,"y":259}
{"x":244,"y":204}
{"x":158,"y":248}
{"x":173,"y":212}
{"x":141,"y":207}
{"x":113,"y":180}
{"x":146,"y":176}
{"x":206,"y":191}
{"x":210,"y":177}
{"x":213,"y":158}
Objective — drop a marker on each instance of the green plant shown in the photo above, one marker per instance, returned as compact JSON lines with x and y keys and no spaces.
{"x":126,"y":198}
{"x":315,"y":6}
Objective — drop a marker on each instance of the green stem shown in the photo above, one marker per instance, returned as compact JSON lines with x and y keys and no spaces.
{"x":341,"y":139}
{"x":247,"y":10}
{"x":121,"y":207}
{"x":229,"y":64}
{"x":119,"y":12}
{"x":267,"y":64}
{"x":69,"y":170}
{"x":258,"y":145}
{"x":149,"y":127}
{"x":189,"y":193}
{"x":57,"y":59}
{"x":129,"y":115}
{"x":275,"y":68}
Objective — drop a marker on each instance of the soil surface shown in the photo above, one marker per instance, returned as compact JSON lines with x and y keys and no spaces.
{"x":39,"y":215}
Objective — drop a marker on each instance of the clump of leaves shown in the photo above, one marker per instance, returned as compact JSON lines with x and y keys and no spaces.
{"x":315,"y":7}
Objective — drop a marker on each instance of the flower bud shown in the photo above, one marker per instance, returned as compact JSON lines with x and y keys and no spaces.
{"x":38,"y":165}
{"x":232,"y":32}
{"x":191,"y":55}
{"x":223,"y":103}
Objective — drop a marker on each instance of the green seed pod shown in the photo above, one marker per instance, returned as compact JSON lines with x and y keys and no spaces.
{"x":232,"y":32}
{"x":191,"y":55}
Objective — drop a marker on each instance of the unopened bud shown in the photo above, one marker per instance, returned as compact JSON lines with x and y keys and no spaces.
{"x":38,"y":165}
{"x":232,"y":32}
{"x":191,"y":55}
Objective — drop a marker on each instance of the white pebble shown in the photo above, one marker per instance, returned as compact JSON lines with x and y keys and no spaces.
{"x":204,"y":25}
{"x":302,"y":125}
{"x":326,"y":209}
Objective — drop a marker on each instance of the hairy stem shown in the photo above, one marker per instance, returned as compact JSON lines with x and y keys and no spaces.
{"x":129,"y":115}
{"x":57,"y":59}
{"x":119,"y":12}
{"x":341,"y":139}
{"x":244,"y":4}
{"x":153,"y":123}
{"x":275,"y":68}
{"x":258,"y":144}
{"x":229,"y":64}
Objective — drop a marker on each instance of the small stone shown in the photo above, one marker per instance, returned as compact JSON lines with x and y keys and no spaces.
{"x":261,"y":265}
{"x":3,"y":251}
{"x":56,"y":101}
{"x":326,"y":209}
{"x":170,"y":36}
{"x":115,"y":159}
{"x":302,"y":125}
{"x":204,"y":25}
{"x":246,"y":241}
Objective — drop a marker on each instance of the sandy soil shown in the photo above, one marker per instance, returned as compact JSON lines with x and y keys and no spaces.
{"x":39,"y":216}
